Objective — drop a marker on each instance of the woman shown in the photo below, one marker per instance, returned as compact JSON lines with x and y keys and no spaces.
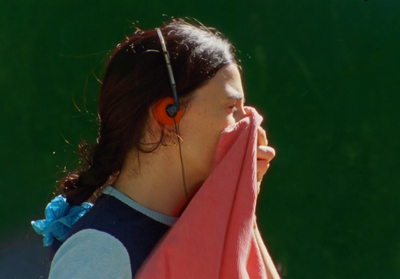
{"x":155,"y":158}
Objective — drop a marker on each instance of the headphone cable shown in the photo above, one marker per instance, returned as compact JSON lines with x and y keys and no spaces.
{"x":182,"y":167}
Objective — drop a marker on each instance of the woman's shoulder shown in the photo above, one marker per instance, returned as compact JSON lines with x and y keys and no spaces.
{"x":109,"y":214}
{"x":90,"y":253}
{"x":137,"y":232}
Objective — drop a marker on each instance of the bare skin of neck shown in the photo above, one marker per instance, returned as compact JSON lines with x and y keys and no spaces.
{"x":156,"y":182}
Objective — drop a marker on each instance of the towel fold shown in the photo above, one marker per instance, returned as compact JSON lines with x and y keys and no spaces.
{"x":214,"y":237}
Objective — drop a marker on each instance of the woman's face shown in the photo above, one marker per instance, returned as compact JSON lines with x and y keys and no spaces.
{"x":214,"y":106}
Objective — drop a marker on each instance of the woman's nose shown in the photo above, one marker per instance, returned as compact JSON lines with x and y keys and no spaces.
{"x":240,"y":114}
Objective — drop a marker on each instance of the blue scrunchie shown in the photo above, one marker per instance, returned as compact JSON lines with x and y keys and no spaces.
{"x":59,"y":219}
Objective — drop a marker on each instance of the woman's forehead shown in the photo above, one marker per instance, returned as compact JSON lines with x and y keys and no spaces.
{"x":230,"y":82}
{"x":226,"y":84}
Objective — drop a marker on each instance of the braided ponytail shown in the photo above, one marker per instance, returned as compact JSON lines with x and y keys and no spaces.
{"x":79,"y":185}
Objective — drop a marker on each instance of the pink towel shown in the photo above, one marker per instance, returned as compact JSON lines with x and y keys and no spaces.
{"x":214,"y":237}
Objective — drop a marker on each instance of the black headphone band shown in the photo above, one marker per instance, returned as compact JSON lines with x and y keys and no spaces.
{"x":171,"y":110}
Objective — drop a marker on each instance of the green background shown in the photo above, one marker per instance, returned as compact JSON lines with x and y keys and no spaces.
{"x":324,"y":73}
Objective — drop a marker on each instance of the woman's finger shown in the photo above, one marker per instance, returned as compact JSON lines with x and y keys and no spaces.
{"x":262,"y":167}
{"x":265,"y":153}
{"x":261,"y":136}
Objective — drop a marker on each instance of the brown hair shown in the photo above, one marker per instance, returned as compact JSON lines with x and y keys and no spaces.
{"x":136,"y":78}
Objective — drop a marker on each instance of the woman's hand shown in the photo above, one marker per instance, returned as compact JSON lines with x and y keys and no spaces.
{"x":265,"y":154}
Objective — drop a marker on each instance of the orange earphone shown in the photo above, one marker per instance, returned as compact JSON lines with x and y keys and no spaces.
{"x":162,"y":112}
